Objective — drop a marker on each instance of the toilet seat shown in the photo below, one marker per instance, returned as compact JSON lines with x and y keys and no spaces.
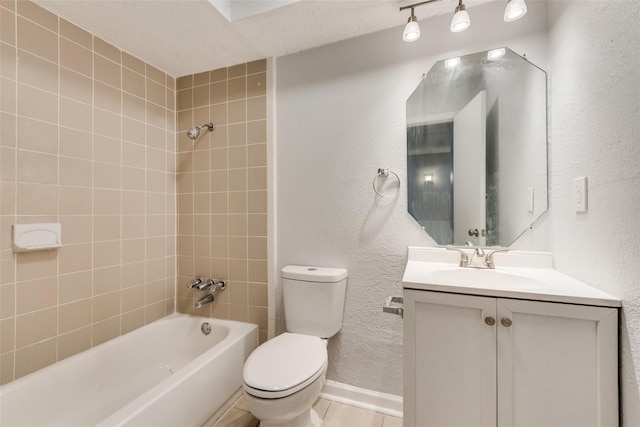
{"x":284,"y":365}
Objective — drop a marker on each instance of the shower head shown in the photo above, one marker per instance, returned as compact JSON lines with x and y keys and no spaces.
{"x":194,"y":132}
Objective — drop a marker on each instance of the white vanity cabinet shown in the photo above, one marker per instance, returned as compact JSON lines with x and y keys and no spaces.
{"x":474,"y":360}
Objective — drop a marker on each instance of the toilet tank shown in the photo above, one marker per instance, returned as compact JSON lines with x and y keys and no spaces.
{"x":313,"y":299}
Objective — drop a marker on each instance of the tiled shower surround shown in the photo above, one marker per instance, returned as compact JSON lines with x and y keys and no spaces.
{"x":88,"y":139}
{"x":222,"y":191}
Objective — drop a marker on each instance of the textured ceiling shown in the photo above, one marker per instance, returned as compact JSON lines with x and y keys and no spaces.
{"x":184,"y":37}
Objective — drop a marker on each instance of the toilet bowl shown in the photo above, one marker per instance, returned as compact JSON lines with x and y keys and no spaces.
{"x":283,"y":377}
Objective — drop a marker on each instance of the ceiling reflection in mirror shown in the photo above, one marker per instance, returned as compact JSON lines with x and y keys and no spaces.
{"x":477,"y":149}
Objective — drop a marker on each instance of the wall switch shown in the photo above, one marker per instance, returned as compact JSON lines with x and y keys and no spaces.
{"x":580,"y":194}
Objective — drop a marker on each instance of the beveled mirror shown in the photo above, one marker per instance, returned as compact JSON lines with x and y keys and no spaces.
{"x":477,"y":148}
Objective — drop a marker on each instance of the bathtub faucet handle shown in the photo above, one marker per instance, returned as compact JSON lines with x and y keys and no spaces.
{"x":220,"y":285}
{"x":217,"y":285}
{"x":208,"y":283}
{"x":195,"y":282}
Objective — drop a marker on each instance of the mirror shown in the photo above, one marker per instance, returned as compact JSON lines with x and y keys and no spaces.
{"x":477,"y":149}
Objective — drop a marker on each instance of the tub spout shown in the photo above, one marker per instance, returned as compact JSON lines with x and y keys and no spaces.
{"x":204,"y":300}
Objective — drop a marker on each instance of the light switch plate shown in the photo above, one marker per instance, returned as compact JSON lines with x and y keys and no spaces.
{"x":580,"y":196}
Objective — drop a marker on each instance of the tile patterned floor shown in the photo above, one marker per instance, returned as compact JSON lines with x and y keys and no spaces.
{"x":333,"y":414}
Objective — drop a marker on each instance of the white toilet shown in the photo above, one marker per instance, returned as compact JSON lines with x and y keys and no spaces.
{"x":283,"y":377}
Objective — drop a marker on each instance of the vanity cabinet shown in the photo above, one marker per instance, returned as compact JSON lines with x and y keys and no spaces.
{"x":491,"y":361}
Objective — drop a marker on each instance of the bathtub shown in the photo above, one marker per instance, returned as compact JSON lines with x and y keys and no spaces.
{"x":168,"y":373}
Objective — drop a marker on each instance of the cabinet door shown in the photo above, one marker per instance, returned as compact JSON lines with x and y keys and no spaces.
{"x":449,"y":360}
{"x":557,"y":365}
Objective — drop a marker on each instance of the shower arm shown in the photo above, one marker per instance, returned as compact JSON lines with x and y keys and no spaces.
{"x":194,"y":132}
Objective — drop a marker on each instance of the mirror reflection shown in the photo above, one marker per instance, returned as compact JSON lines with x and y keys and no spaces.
{"x":477,"y":149}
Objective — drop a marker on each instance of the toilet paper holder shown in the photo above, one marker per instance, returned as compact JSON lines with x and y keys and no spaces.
{"x":394,"y":305}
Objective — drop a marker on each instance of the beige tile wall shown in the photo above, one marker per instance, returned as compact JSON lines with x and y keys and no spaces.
{"x":222,"y":191}
{"x":87,"y":139}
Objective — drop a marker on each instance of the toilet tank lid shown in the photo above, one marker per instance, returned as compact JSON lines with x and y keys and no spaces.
{"x":314,"y":274}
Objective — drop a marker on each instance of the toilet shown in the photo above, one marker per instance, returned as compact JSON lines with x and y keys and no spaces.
{"x":283,"y":377}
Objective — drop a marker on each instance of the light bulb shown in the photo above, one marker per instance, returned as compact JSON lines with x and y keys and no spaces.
{"x":515,"y":10}
{"x":411,"y":31}
{"x":461,"y":20}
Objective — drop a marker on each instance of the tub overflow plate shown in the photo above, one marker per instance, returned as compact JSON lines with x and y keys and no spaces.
{"x":206,"y":328}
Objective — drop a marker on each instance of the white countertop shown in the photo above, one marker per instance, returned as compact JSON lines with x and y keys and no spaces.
{"x":518,"y":274}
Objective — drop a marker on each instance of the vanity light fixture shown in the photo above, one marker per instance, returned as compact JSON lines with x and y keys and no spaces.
{"x":428,"y":179}
{"x":515,"y":10}
{"x":461,"y":20}
{"x":411,"y":31}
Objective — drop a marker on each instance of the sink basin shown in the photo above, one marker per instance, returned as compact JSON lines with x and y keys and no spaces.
{"x":475,"y":277}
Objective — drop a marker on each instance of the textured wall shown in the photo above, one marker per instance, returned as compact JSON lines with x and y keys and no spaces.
{"x":222,"y":191}
{"x":86,"y":139}
{"x":595,"y":132}
{"x":341,"y":116}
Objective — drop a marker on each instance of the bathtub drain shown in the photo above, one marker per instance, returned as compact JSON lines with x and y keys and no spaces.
{"x":206,"y":328}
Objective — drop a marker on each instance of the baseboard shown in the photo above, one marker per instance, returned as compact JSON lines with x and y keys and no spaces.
{"x":362,"y":398}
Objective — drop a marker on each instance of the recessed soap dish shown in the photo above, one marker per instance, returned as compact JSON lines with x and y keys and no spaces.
{"x":36,"y":237}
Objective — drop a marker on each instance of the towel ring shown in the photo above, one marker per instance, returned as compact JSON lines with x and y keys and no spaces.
{"x":384,"y":172}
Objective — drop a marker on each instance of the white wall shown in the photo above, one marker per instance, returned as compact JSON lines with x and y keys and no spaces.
{"x":595,"y":131}
{"x":340,"y":115}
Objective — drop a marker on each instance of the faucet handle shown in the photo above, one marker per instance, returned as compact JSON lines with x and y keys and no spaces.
{"x":220,"y":284}
{"x":195,"y":282}
{"x":204,"y":284}
{"x":464,"y":258}
{"x":489,"y":258}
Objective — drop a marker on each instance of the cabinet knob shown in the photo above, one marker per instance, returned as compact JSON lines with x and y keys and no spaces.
{"x":506,"y":322}
{"x":489,"y":320}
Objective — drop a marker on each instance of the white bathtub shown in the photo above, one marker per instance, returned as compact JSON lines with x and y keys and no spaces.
{"x":167,"y":373}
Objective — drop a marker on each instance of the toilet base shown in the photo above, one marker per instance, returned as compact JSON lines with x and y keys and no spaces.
{"x":308,"y":418}
{"x":295,"y":410}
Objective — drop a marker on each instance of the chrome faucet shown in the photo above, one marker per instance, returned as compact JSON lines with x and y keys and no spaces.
{"x":213,"y":285}
{"x":205,"y":300}
{"x":479,"y":258}
{"x":201,"y":284}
